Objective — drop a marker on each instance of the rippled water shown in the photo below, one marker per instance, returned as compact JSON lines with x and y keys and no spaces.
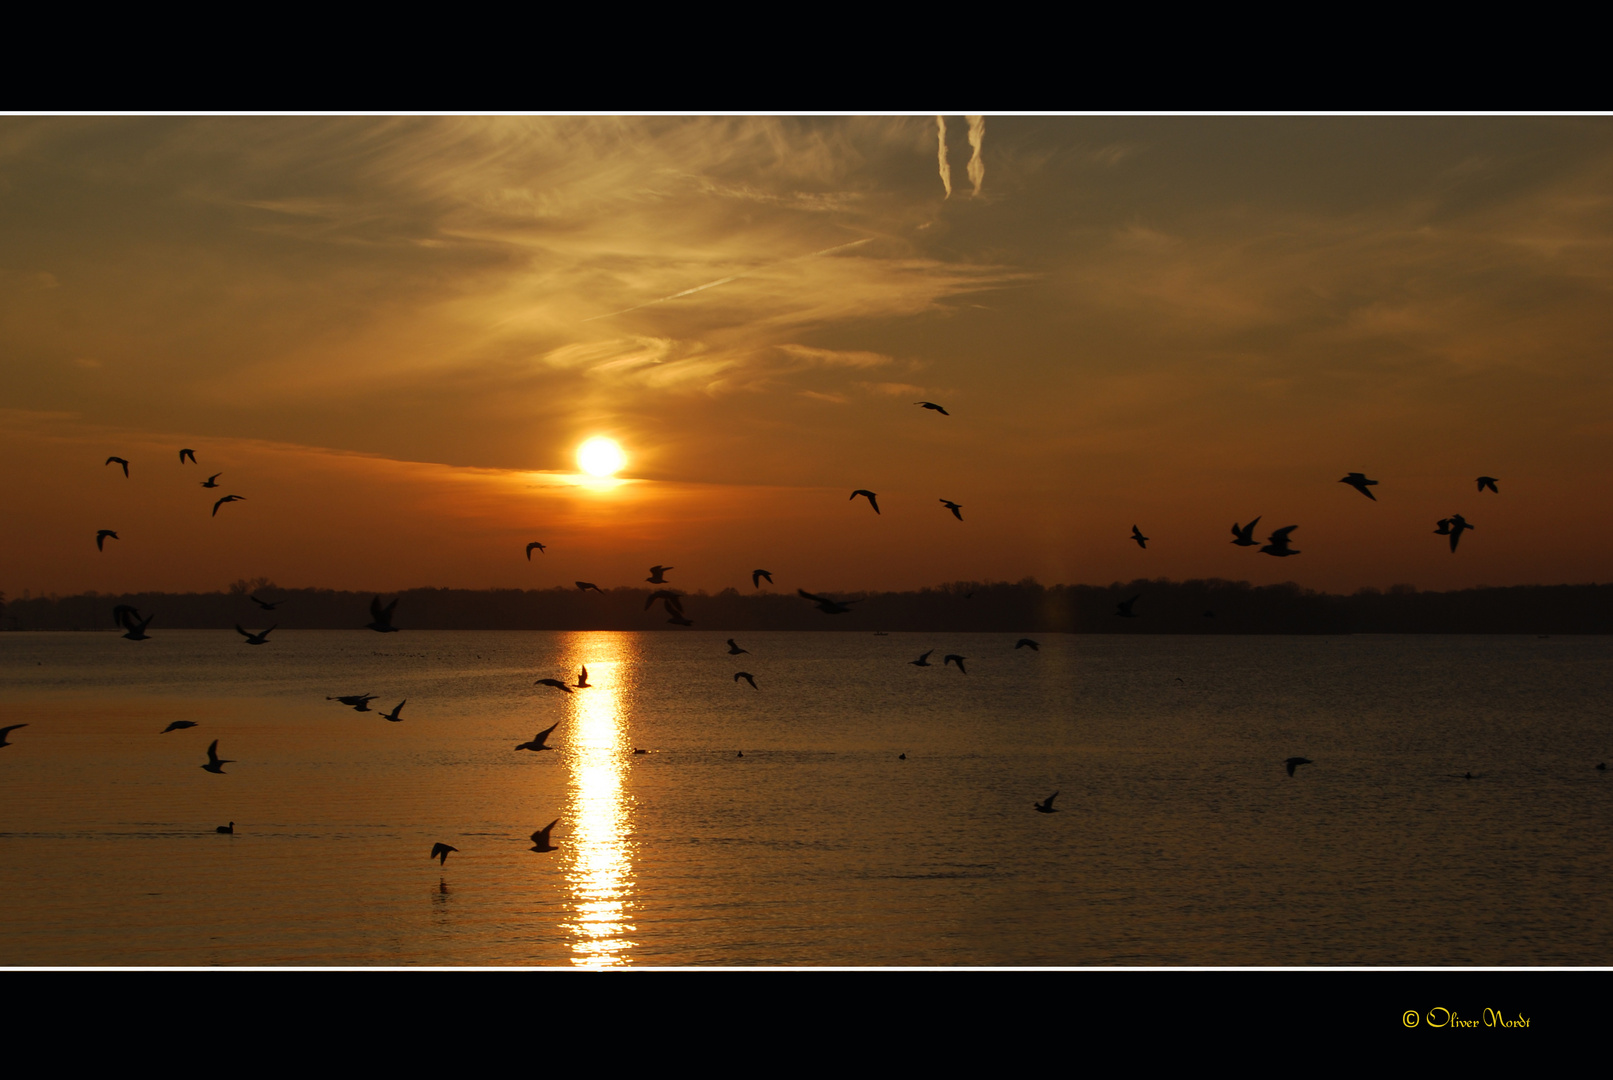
{"x":1180,"y":838}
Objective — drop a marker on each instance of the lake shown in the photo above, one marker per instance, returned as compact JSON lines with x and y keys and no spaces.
{"x":781,"y":826}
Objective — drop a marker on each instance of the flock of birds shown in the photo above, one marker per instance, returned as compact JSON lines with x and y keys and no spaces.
{"x":1278,"y":544}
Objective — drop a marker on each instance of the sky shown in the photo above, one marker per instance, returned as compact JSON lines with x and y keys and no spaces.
{"x":390,"y":334}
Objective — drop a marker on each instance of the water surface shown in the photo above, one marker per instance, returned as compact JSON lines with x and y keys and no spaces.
{"x":1180,"y":837}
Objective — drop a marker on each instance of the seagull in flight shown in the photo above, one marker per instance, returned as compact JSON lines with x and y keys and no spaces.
{"x":582,"y":678}
{"x":923,"y":661}
{"x":584,"y":586}
{"x":1489,"y":482}
{"x":4,"y":731}
{"x":735,"y":650}
{"x":756,"y":577}
{"x":1444,"y":527}
{"x":1024,"y":641}
{"x":747,"y":677}
{"x":212,"y":481}
{"x":556,"y":683}
{"x":260,"y":638}
{"x":1047,"y":807}
{"x":656,"y":573}
{"x":1245,"y":533}
{"x":1137,"y":535}
{"x":440,"y":853}
{"x":532,"y":545}
{"x":1123,"y":609}
{"x":932,"y":405}
{"x":381,"y":617}
{"x":225,"y":499}
{"x":127,"y":616}
{"x":826,"y":605}
{"x":100,"y":538}
{"x":177,"y":725}
{"x":673,"y":601}
{"x":873,"y":500}
{"x":1360,"y":482}
{"x":393,"y":715}
{"x":264,"y":604}
{"x":1459,"y":525}
{"x":540,"y":839}
{"x":360,"y":702}
{"x":122,"y":462}
{"x":1277,"y":542}
{"x":215,"y":764}
{"x":1295,"y":762}
{"x":954,"y":658}
{"x":187,"y":453}
{"x":539,"y":739}
{"x":954,"y":507}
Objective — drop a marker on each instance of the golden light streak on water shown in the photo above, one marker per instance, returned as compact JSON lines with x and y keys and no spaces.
{"x":599,"y":862}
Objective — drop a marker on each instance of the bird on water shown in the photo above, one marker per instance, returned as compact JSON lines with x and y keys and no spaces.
{"x":228,"y":830}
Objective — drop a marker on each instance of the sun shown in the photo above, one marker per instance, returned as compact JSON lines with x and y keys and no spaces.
{"x":600,"y":457}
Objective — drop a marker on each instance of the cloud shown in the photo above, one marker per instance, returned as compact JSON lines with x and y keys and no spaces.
{"x":977,"y":165}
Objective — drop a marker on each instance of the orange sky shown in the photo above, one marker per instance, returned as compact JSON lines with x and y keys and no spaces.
{"x":390,"y":334}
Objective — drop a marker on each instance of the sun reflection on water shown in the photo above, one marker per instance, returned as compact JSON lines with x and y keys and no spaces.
{"x":600,"y":871}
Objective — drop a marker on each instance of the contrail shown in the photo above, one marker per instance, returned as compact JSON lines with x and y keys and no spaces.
{"x":734,"y":277}
{"x":946,"y":170}
{"x":977,"y":166}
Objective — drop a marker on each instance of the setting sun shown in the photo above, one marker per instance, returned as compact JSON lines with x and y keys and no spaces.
{"x":600,"y":457}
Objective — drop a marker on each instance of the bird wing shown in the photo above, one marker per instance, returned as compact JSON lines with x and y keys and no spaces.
{"x":212,"y":755}
{"x":815,"y":599}
{"x":542,"y":835}
{"x":238,"y":630}
{"x":1280,"y":537}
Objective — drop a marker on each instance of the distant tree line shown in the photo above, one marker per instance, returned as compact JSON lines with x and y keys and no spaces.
{"x":1162,"y":607}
